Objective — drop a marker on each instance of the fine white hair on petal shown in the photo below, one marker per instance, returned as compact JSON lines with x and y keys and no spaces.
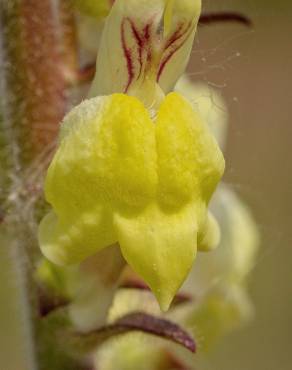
{"x":83,"y":113}
{"x":209,"y":103}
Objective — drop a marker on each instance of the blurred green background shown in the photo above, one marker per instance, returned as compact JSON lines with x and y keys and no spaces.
{"x":253,"y":69}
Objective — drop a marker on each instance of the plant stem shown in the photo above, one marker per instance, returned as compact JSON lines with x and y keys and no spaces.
{"x":33,"y":94}
{"x":34,"y":83}
{"x":16,"y":345}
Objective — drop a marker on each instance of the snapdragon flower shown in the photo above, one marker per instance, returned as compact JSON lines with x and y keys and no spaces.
{"x":133,"y":165}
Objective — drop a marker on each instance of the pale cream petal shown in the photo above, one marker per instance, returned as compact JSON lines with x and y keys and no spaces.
{"x":145,"y":43}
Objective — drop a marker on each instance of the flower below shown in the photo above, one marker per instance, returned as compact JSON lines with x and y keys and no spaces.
{"x":121,"y":176}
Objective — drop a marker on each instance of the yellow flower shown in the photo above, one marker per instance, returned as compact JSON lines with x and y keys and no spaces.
{"x":119,"y":176}
{"x":223,"y":310}
{"x":131,"y":352}
{"x":236,"y":254}
{"x":133,"y":173}
{"x":219,"y":279}
{"x":94,"y":8}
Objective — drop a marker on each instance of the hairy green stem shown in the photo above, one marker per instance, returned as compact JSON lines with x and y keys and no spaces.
{"x":34,"y":83}
{"x":16,"y":345}
{"x":33,"y":102}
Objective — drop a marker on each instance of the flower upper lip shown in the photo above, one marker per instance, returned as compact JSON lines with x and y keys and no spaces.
{"x":149,"y":40}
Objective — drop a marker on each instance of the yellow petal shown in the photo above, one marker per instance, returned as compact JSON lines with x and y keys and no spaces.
{"x":106,"y":159}
{"x":190,"y":164}
{"x":223,"y":310}
{"x":210,"y":236}
{"x":160,"y":246}
{"x":66,"y":243}
{"x":235,"y":255}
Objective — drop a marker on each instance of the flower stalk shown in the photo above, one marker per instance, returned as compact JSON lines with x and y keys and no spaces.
{"x":34,"y":83}
{"x":33,"y":94}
